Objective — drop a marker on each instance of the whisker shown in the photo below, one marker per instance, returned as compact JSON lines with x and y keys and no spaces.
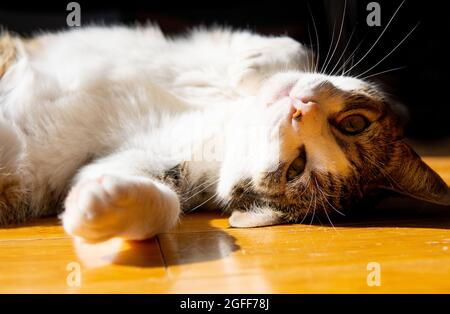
{"x":309,"y":205}
{"x":378,"y":39}
{"x":324,"y":209}
{"x":326,"y":214}
{"x":203,"y":189}
{"x":335,"y":196}
{"x":306,"y":187}
{"x":350,"y":57}
{"x":329,"y":48}
{"x":395,"y":48}
{"x":326,"y":195}
{"x":202,"y":203}
{"x":199,"y":186}
{"x":314,"y":208}
{"x":382,"y":72}
{"x":310,"y":62}
{"x":317,"y":38}
{"x":339,"y":36}
{"x":344,"y":51}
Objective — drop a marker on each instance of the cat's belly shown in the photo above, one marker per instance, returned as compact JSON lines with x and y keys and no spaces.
{"x":71,"y":130}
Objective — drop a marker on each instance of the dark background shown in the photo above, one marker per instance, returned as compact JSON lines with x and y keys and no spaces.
{"x":423,"y":84}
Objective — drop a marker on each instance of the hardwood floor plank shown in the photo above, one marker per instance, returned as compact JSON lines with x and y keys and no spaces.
{"x":114,"y":266}
{"x":49,"y":228}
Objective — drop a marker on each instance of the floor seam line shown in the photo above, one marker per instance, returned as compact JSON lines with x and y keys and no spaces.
{"x":166,"y":268}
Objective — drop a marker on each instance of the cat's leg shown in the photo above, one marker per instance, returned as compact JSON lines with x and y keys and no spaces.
{"x":256,"y":57}
{"x":221,"y":64}
{"x":115,"y":197}
{"x":241,"y":58}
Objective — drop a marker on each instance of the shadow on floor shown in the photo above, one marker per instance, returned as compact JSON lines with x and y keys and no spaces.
{"x":205,"y":243}
{"x":393,"y":212}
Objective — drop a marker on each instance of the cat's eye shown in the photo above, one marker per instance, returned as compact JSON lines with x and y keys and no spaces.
{"x":296,"y":167}
{"x":353,"y":124}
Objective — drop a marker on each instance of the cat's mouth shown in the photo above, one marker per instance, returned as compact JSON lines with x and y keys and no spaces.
{"x":297,"y":166}
{"x":269,"y":192}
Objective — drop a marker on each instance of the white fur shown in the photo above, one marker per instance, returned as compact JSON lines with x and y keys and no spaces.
{"x":137,"y":103}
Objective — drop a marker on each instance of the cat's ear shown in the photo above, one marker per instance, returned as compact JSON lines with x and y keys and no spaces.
{"x":409,"y":175}
{"x":254,"y":218}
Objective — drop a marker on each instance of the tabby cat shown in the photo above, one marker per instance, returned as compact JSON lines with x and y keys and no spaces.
{"x":124,"y":129}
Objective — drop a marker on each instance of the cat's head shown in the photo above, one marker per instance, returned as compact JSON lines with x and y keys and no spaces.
{"x":328,"y":141}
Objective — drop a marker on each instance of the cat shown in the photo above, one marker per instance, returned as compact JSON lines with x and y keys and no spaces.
{"x":120,"y":130}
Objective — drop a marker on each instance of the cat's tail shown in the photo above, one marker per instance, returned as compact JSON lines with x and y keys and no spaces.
{"x":12,"y":191}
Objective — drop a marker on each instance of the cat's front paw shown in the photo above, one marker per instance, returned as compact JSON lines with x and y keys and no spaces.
{"x":251,"y":66}
{"x":106,"y":207}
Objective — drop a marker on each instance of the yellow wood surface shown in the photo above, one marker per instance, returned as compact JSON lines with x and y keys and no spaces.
{"x":204,"y":255}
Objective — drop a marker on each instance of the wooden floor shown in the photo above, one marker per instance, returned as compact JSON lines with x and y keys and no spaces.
{"x":403,"y":250}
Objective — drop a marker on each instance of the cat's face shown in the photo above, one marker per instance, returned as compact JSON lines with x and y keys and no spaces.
{"x":328,"y":141}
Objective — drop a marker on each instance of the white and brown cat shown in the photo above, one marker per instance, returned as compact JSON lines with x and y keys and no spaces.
{"x":122,"y":129}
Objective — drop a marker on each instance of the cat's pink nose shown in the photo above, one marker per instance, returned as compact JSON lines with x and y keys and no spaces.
{"x":302,"y":106}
